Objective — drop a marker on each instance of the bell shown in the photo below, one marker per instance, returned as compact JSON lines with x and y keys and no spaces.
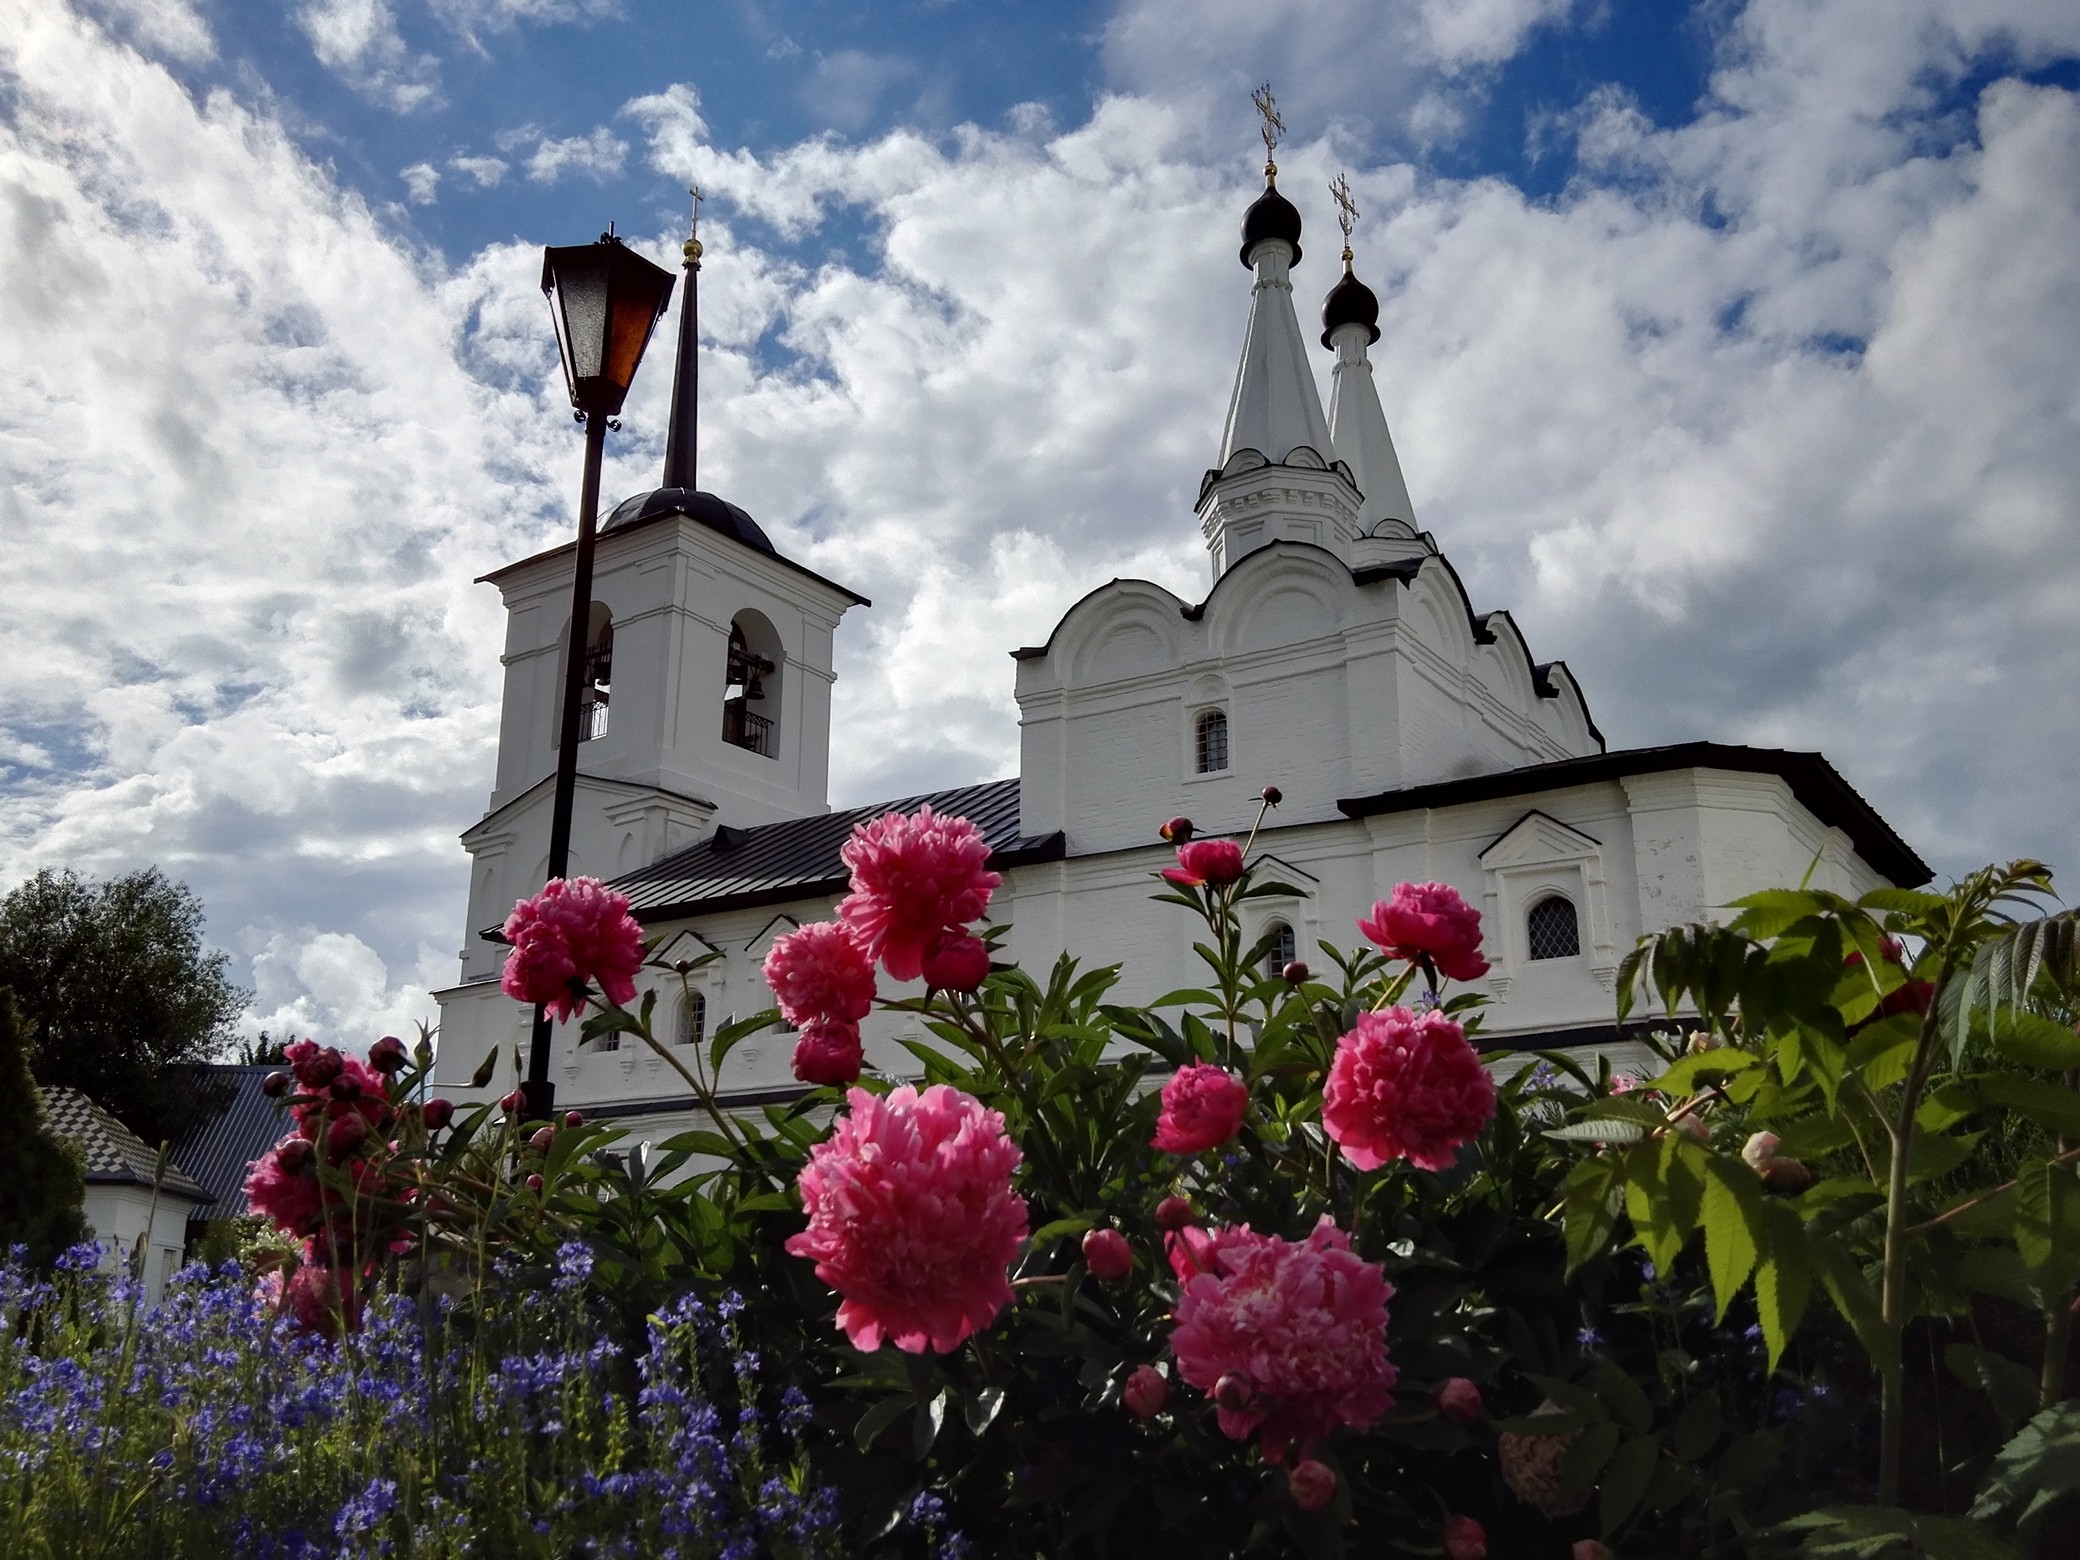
{"x":757,"y":690}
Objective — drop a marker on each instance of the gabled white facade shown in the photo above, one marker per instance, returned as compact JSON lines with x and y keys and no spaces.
{"x":1335,"y":656}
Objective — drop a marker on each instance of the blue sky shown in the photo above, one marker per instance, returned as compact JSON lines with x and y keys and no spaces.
{"x":1728,"y":345}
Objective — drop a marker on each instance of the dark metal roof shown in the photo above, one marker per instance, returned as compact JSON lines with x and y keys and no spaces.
{"x":798,"y":858}
{"x":114,"y":1154}
{"x":236,"y":1125}
{"x":1270,"y":215}
{"x":717,"y":514}
{"x":1350,"y":302}
{"x":1812,"y":779}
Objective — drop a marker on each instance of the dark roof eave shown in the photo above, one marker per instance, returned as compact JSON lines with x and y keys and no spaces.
{"x":503,"y":570}
{"x":1816,"y":784}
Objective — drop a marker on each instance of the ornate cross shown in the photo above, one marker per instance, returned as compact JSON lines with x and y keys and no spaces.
{"x":1346,"y":210}
{"x":1274,"y":128}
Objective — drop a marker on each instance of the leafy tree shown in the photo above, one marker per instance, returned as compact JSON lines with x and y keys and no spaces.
{"x":121,"y":991}
{"x":266,"y":1051}
{"x":41,"y":1179}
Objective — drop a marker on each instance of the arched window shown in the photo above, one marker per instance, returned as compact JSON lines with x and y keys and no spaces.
{"x":751,"y":691}
{"x":1212,"y":741}
{"x":1283,"y":951}
{"x":693,"y":1019}
{"x":1551,"y":929}
{"x":596,"y":677}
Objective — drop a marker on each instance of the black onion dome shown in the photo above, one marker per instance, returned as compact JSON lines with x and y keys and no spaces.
{"x":1271,"y":216}
{"x":1350,"y":302}
{"x":718,"y":514}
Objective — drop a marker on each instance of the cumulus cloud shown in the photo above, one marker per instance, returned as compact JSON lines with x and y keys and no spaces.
{"x":422,"y":183}
{"x":358,"y":41}
{"x":473,"y":18}
{"x":483,"y":171}
{"x":846,"y":88}
{"x":598,"y":155}
{"x":1766,"y":425}
{"x":171,"y":29}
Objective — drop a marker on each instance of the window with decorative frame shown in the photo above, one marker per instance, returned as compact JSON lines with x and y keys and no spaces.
{"x":1210,"y":741}
{"x":1285,"y":948}
{"x":692,"y":1027}
{"x":1551,"y":929}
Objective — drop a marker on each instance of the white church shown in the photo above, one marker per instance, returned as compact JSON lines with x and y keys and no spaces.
{"x":1335,"y":654}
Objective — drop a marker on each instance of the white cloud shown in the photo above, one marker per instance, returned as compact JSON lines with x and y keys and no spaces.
{"x":1801,"y":474}
{"x":485,"y":171}
{"x":598,"y":156}
{"x":846,"y":88}
{"x":422,"y":183}
{"x":171,"y":29}
{"x":358,"y":41}
{"x":471,"y":18}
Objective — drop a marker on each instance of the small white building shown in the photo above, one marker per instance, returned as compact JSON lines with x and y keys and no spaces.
{"x":133,"y":1206}
{"x":1335,"y":655}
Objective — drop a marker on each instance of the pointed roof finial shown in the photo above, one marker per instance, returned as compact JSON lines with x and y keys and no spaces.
{"x":1273,"y":128}
{"x":692,"y":247}
{"x":1346,"y":213}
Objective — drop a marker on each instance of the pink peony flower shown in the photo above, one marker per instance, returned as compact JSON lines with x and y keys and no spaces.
{"x":1464,"y":1539}
{"x":1145,"y":1393}
{"x":1107,"y":1255}
{"x":820,"y":971}
{"x":1429,"y":921}
{"x":1459,"y":1400}
{"x":1313,"y":1484}
{"x":280,"y":1189}
{"x":312,"y":1295}
{"x":574,"y":931}
{"x":958,"y":964}
{"x":1530,"y":1466}
{"x":1590,"y":1549}
{"x":1303,"y":1322}
{"x":1405,"y":1086}
{"x":828,"y":1052}
{"x":914,"y":879}
{"x":1202,"y":1108}
{"x":1215,"y":862}
{"x":912,"y":1218}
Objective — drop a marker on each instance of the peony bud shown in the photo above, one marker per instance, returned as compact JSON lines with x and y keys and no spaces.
{"x":961,"y":964}
{"x":514,"y":1103}
{"x":1235,"y":1392}
{"x":343,"y":1135}
{"x":387,"y":1055}
{"x":319,"y":1068}
{"x":1313,"y":1484}
{"x":1701,"y":1041}
{"x":541,"y":1140}
{"x":295,"y":1156}
{"x":1177,"y":831}
{"x":276,"y":1084}
{"x":1272,"y":796}
{"x":1296,"y":973}
{"x":1464,"y":1539}
{"x":574,"y":1118}
{"x":1173,"y":1213}
{"x":1785,"y":1175}
{"x":535,"y":1183}
{"x":1107,"y":1255}
{"x":1590,"y":1549}
{"x":1145,"y":1393}
{"x":345,"y":1087}
{"x":1692,"y":1126}
{"x":1459,"y":1400}
{"x":1760,"y":1149}
{"x":437,"y":1114}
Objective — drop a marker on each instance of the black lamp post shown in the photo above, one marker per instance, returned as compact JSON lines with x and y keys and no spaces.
{"x":606,"y":300}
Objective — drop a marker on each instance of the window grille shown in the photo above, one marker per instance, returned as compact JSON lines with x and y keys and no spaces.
{"x":693,"y":1019}
{"x":598,"y":686}
{"x":744,"y":685}
{"x":1283,"y":951}
{"x":1552,"y":929}
{"x":607,"y":1042}
{"x":1213,"y":742}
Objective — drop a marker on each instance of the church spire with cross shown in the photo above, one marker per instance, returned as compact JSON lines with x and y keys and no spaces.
{"x":682,"y":439}
{"x":1357,"y":424}
{"x":1275,"y":431}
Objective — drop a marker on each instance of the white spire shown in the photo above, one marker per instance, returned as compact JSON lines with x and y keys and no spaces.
{"x":1359,"y":429}
{"x":1275,"y":407}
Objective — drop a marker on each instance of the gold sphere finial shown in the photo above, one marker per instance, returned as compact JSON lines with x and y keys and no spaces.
{"x":692,"y":247}
{"x":692,"y":250}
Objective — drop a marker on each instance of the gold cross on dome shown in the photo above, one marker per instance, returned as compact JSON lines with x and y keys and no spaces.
{"x":1273,"y":128}
{"x":695,"y":191}
{"x":692,"y":246}
{"x":1346,"y":209}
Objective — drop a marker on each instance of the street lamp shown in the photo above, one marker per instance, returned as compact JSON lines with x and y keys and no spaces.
{"x":606,"y":299}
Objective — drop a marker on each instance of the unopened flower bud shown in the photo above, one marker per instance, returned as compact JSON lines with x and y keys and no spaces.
{"x":682,"y":966}
{"x":513,"y":1103}
{"x":276,"y":1084}
{"x":574,"y":1118}
{"x":1700,"y":1042}
{"x":1459,"y":1400}
{"x":1296,"y":973}
{"x":438,"y":1113}
{"x":1271,"y":795}
{"x":1145,"y":1393}
{"x":295,"y":1156}
{"x":318,"y":1069}
{"x":1692,"y":1126}
{"x":960,"y":964}
{"x":1107,"y":1255}
{"x":1312,"y":1484}
{"x":1177,"y":831}
{"x":1464,"y":1539}
{"x":542,"y":1138}
{"x":345,"y":1087}
{"x":1235,"y":1392}
{"x":1760,"y":1149}
{"x":387,"y":1055}
{"x":535,"y":1183}
{"x":343,"y":1135}
{"x":1173,"y":1213}
{"x":1786,"y":1175}
{"x":1590,"y":1549}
